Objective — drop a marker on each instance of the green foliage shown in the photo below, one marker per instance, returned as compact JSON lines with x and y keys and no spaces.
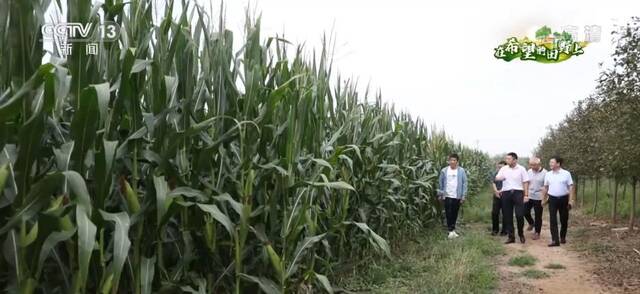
{"x":534,"y":274}
{"x":555,"y":266}
{"x":435,"y":263}
{"x":602,"y":205}
{"x":522,"y":260}
{"x":168,"y":162}
{"x":599,"y":138}
{"x":478,"y":209}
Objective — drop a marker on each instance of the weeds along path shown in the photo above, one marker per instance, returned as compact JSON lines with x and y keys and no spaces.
{"x":551,"y":270}
{"x":433,"y":264}
{"x":479,"y":263}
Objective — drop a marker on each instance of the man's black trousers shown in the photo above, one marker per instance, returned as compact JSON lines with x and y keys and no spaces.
{"x":495,"y":214}
{"x":451,"y":207}
{"x":558,"y":205}
{"x":536,"y":221}
{"x":513,"y":200}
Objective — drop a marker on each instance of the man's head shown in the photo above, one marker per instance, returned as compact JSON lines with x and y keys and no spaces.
{"x":511,"y":159}
{"x":535,"y":163}
{"x":453,"y":160}
{"x":500,"y":164}
{"x":555,"y":162}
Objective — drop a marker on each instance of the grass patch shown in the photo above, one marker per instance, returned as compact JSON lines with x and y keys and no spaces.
{"x":554,"y":266}
{"x":579,"y":232}
{"x":594,"y":247}
{"x":435,"y":264}
{"x":522,"y":260}
{"x":535,"y":274}
{"x":477,"y":209}
{"x":379,"y":274}
{"x":462,"y":265}
{"x":605,"y":200}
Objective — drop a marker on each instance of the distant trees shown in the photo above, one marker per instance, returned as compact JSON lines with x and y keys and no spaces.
{"x":600,"y":138}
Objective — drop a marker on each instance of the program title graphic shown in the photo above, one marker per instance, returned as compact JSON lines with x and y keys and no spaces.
{"x":547,"y":46}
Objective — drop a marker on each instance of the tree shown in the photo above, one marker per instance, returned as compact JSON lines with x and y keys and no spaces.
{"x":600,"y":137}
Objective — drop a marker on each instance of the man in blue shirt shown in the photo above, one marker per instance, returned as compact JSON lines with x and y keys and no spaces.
{"x":452,"y":190}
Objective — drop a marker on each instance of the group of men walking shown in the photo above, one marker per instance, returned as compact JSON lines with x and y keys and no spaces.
{"x":515,"y":190}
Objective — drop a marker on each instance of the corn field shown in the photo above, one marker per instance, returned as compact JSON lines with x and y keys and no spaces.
{"x":169,"y":162}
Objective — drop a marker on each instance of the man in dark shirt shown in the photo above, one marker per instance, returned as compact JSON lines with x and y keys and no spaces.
{"x":497,"y":203}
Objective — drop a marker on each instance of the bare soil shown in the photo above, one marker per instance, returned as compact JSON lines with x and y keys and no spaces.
{"x":579,"y":275}
{"x":614,"y":251}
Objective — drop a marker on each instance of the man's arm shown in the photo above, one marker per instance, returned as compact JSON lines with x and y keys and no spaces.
{"x":495,"y":190}
{"x":464,"y":185}
{"x":572,"y":191}
{"x":572,"y":195}
{"x":545,"y":196}
{"x":500,"y":175}
{"x":525,"y":184}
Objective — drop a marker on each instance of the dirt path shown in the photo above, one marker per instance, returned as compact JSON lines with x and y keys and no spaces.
{"x":575,"y":277}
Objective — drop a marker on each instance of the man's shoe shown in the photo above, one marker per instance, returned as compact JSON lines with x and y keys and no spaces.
{"x":510,"y":240}
{"x":530,"y":228}
{"x":522,"y":239}
{"x":450,"y":235}
{"x":494,"y":233}
{"x":536,"y":236}
{"x":563,"y":240}
{"x":455,"y":235}
{"x":553,"y":244}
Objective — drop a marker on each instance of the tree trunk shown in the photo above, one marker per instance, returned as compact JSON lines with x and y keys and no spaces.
{"x":576,"y":185}
{"x":614,"y":205}
{"x":595,"y":200}
{"x":584,"y":192}
{"x":632,"y":215}
{"x":624,"y":190}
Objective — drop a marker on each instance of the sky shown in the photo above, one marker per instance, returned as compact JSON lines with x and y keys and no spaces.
{"x":434,"y":59}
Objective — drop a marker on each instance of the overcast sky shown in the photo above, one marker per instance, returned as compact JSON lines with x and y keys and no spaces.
{"x":435,"y":60}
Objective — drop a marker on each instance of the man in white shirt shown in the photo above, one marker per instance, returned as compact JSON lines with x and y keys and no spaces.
{"x":536,"y":183}
{"x":452,"y":189}
{"x":515,"y":189}
{"x":560,"y":192}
